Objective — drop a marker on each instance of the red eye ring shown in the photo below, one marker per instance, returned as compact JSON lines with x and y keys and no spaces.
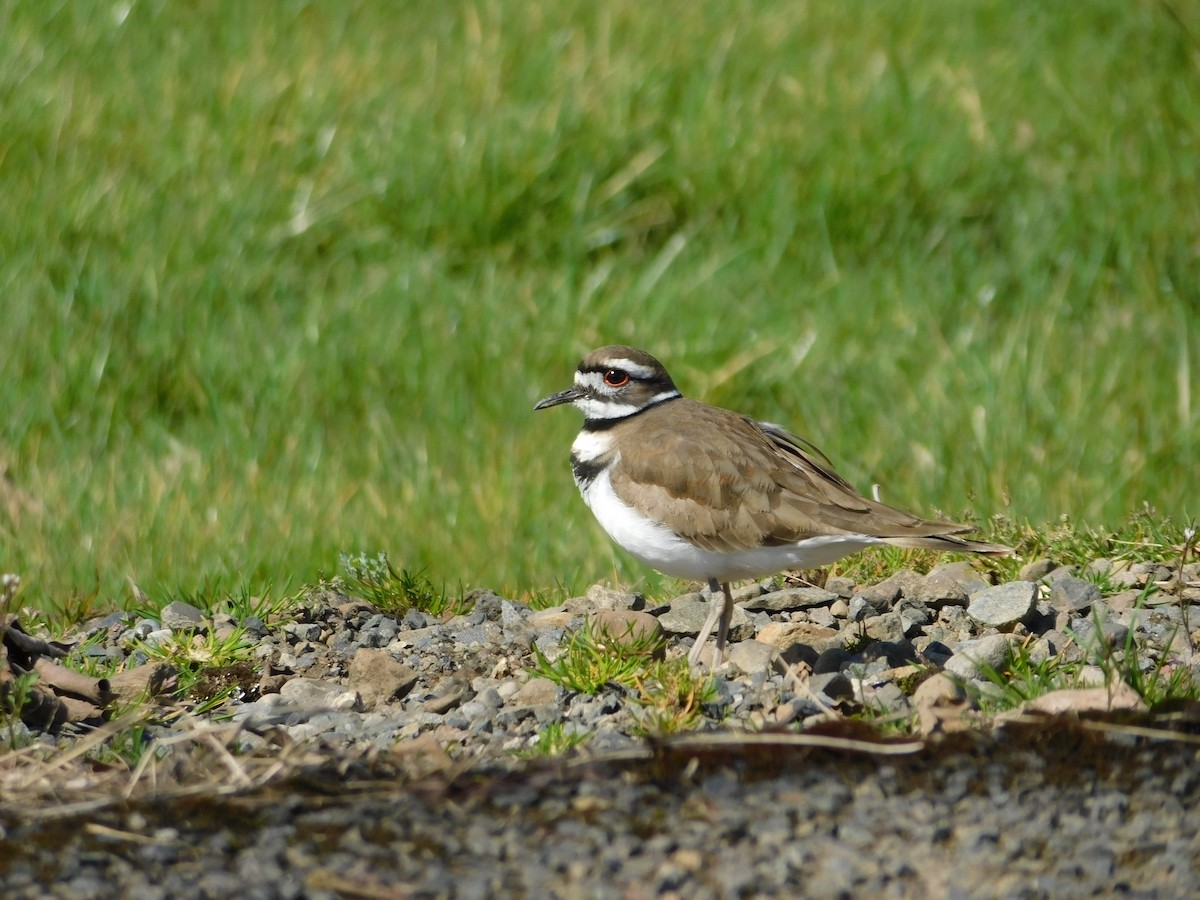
{"x":616,"y":378}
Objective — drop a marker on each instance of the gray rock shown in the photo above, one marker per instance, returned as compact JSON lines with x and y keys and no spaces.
{"x":940,"y":590}
{"x":302,"y":631}
{"x":833,"y":685}
{"x":378,"y":677}
{"x":859,"y":609}
{"x":538,"y":692}
{"x":971,"y":656}
{"x":484,"y":634}
{"x":158,"y":638}
{"x":748,"y":592}
{"x":1004,"y":604}
{"x":819,"y":615}
{"x":914,"y":616}
{"x":790,"y":599}
{"x":963,"y":573}
{"x":1071,"y":594}
{"x":787,"y":634}
{"x":178,"y":614}
{"x":753,"y":656}
{"x":886,"y":697}
{"x":888,"y":627}
{"x":602,"y":596}
{"x":688,"y":613}
{"x":843,"y":587}
{"x":1037,"y":569}
{"x":626,"y":627}
{"x":344,"y":643}
{"x":513,"y":615}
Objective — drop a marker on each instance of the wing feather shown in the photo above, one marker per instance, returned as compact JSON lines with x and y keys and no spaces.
{"x":728,"y":483}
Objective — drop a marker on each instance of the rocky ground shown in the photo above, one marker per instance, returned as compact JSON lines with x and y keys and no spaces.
{"x":377,"y":755}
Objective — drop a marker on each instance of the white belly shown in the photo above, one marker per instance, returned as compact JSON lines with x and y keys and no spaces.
{"x":660,"y":548}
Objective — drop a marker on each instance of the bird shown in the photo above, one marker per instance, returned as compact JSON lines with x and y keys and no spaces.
{"x":702,"y":493}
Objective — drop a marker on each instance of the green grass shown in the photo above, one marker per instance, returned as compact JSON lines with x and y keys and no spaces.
{"x":374,"y":578}
{"x":284,"y":279}
{"x":588,"y":662}
{"x":553,"y":740}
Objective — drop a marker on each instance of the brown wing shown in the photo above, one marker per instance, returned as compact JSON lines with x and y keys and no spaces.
{"x":726,"y":483}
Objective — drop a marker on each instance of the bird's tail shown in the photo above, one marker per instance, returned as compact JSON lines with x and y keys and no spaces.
{"x":949,"y":543}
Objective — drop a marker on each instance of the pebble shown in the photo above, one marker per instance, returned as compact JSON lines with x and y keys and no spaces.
{"x":626,"y":627}
{"x":357,"y":677}
{"x":971,"y":657}
{"x":688,"y":613}
{"x":378,"y":677}
{"x":790,"y":599}
{"x":178,"y":614}
{"x":1072,"y":594}
{"x":1004,"y":604}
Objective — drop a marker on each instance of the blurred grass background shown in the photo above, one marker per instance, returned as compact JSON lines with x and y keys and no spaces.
{"x":283,"y":279}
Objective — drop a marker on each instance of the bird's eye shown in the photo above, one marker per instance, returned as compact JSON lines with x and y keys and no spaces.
{"x":616,"y":378}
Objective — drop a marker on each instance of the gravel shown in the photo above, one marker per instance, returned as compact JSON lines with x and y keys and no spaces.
{"x":1053,"y":809}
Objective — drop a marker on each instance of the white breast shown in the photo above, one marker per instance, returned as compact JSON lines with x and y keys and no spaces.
{"x":662,"y":549}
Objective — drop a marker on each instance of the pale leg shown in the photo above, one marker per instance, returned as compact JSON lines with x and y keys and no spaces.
{"x":717,"y":612}
{"x":723,"y":631}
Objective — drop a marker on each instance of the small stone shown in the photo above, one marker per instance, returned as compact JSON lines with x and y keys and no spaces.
{"x":860,"y":608}
{"x":303,"y":631}
{"x":784,"y":634}
{"x":1037,"y":569}
{"x":940,"y":590}
{"x":971,"y":658}
{"x":1123,"y":601}
{"x":886,"y":698}
{"x":1071,"y":594}
{"x":1060,"y":572}
{"x":178,"y":614}
{"x":934,"y":652}
{"x":914,"y":616}
{"x":379,"y":678}
{"x":748,"y":592}
{"x":843,"y":587}
{"x":819,"y":615}
{"x":604,"y":597}
{"x":888,"y":627}
{"x":310,"y":692}
{"x":1097,"y":699}
{"x":967,"y":576}
{"x":881,"y":596}
{"x":941,"y":705}
{"x":689,"y":612}
{"x":1003,"y":604}
{"x":626,"y":628}
{"x":753,"y":656}
{"x":158,"y":638}
{"x":840,"y":608}
{"x":551,"y":617}
{"x":450,"y":696}
{"x":833,"y":685}
{"x":790,"y":599}
{"x":538,"y":692}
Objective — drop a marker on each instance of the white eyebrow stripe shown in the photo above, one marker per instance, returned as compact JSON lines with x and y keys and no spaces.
{"x":637,"y":370}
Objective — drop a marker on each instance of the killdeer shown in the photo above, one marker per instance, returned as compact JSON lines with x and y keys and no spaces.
{"x":707,"y":494}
